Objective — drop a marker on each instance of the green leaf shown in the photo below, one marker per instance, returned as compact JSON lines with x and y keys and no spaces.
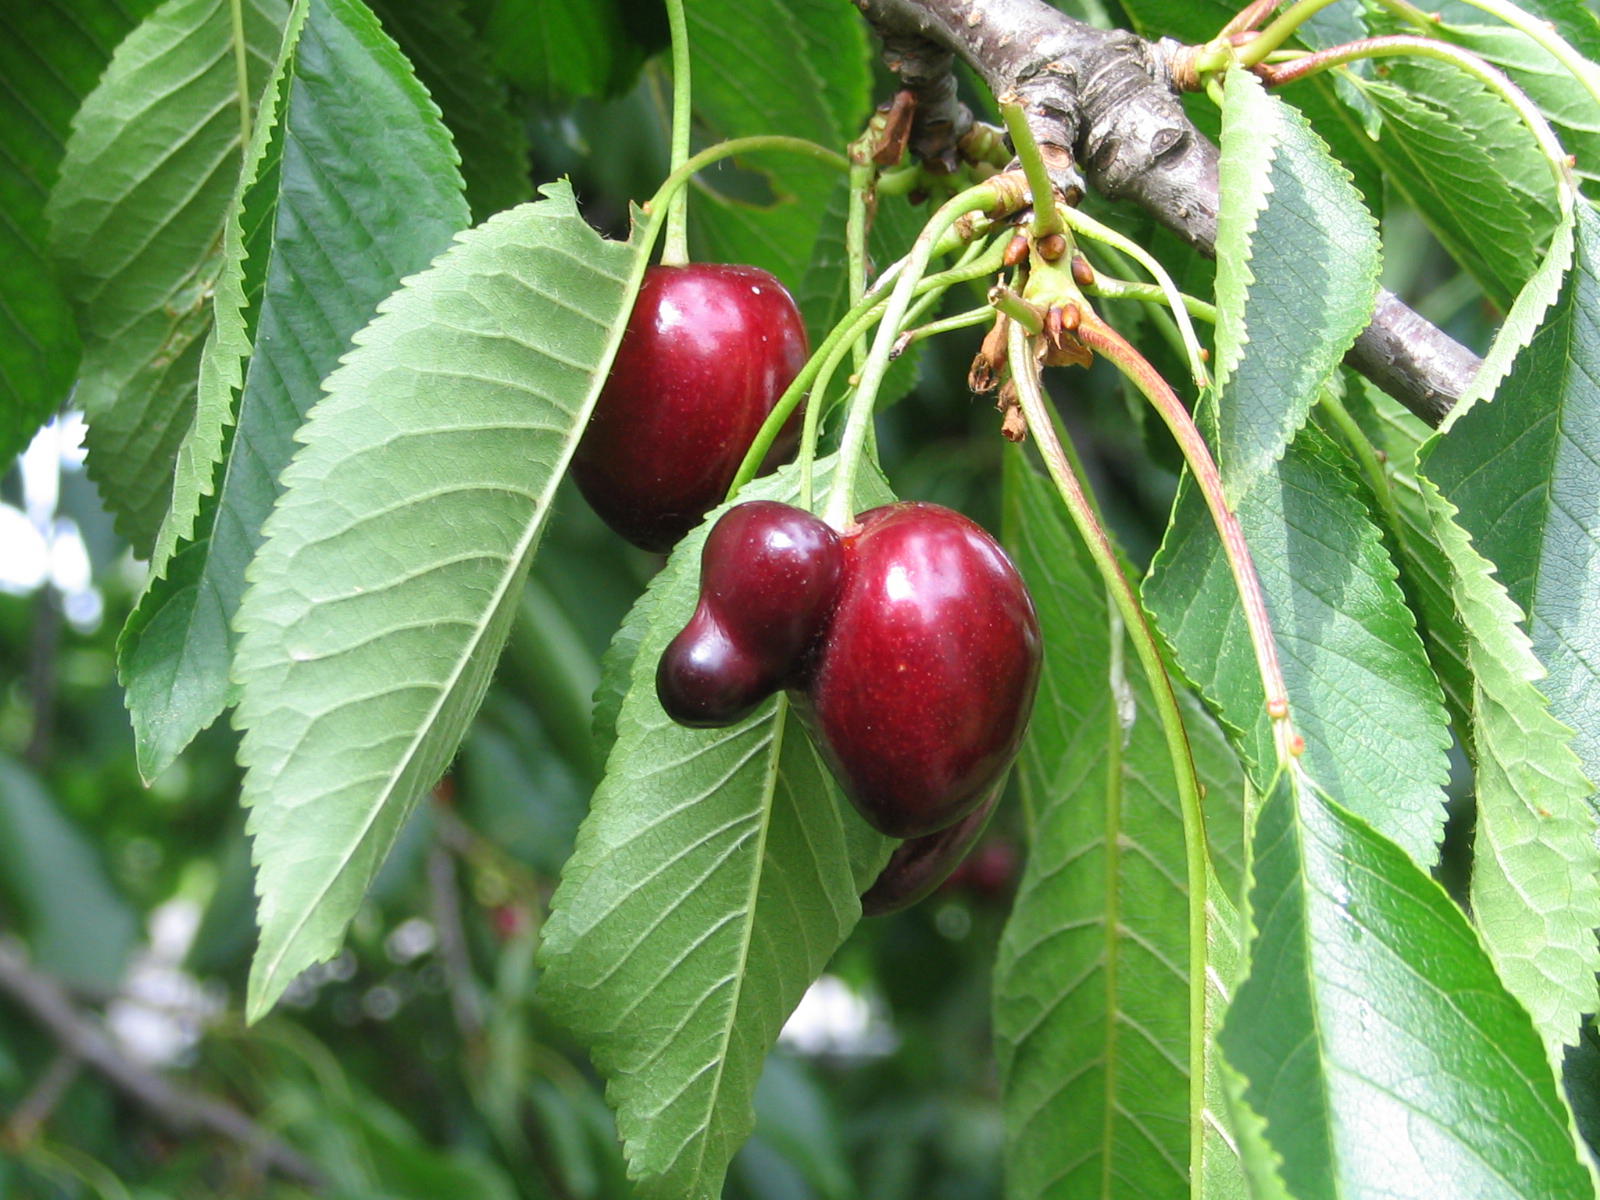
{"x":1465,"y":162}
{"x":558,"y":50}
{"x":717,"y":872}
{"x":136,"y":223}
{"x":325,"y":245}
{"x":616,"y":665}
{"x":1571,"y":109}
{"x":1360,"y":690}
{"x":1536,"y":869}
{"x":813,"y":83}
{"x":1523,"y":473}
{"x":1223,"y":1175}
{"x":1575,"y":20}
{"x":1091,"y":1004}
{"x":452,"y":62}
{"x":77,"y":926}
{"x":393,"y":561}
{"x":1425,"y":571}
{"x":1187,"y":20}
{"x":51,"y":55}
{"x":1374,"y":1040}
{"x":1297,"y":274}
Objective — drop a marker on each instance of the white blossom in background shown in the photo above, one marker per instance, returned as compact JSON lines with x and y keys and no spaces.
{"x":39,"y":548}
{"x":834,"y":1020}
{"x":161,"y":1011}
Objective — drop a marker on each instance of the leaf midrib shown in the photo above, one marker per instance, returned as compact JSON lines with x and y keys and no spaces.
{"x":471,"y":645}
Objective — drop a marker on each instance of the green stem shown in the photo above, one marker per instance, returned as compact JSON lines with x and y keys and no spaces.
{"x":1355,"y":438}
{"x":1087,"y":226}
{"x":1422,"y":47}
{"x":676,"y":250}
{"x":966,"y":320}
{"x":674,"y":182}
{"x":1148,"y":293}
{"x":1280,"y":31}
{"x":1541,"y":32}
{"x":1097,"y":335}
{"x":826,"y":358}
{"x":241,"y":67}
{"x":1025,"y":371}
{"x":1247,"y":18}
{"x":986,"y":195}
{"x":1046,"y":213}
{"x":855,"y":242}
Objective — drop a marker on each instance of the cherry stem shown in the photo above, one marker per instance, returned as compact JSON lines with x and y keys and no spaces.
{"x":825,"y":360}
{"x":1001,"y":191}
{"x":981,"y":315}
{"x":1087,"y":226}
{"x":1541,"y":32}
{"x":1136,"y":625}
{"x":676,"y":250}
{"x":1046,"y":212}
{"x":1109,"y":288}
{"x":1278,"y":74}
{"x":680,"y":176}
{"x":855,"y":241}
{"x":1097,"y":335}
{"x":1247,"y":18}
{"x":1280,"y":31}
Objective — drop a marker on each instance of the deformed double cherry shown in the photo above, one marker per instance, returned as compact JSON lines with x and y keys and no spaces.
{"x":769,"y":576}
{"x":909,"y":643}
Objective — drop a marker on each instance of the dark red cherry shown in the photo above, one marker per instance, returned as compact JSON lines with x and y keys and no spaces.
{"x":708,"y":351}
{"x":987,"y":873}
{"x":921,"y":686}
{"x":769,"y":576}
{"x":921,"y":864}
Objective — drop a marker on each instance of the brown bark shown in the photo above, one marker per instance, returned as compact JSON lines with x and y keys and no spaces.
{"x":1107,"y":96}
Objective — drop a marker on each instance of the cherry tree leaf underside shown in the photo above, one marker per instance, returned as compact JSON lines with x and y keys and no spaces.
{"x":716,"y":874}
{"x":136,"y":223}
{"x":353,"y":186}
{"x":392,"y":563}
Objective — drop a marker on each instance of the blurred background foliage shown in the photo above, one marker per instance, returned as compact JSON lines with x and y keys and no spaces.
{"x":417,"y":1063}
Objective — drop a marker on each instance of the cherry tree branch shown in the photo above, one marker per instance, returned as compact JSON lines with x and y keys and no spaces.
{"x":85,"y":1041}
{"x":1107,"y":98}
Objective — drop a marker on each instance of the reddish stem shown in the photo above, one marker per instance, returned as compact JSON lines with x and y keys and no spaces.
{"x":1248,"y":17}
{"x":1097,"y":335}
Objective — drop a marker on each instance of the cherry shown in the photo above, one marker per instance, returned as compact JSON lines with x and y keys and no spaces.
{"x":989,"y":872}
{"x":920,"y":864}
{"x":769,"y":575}
{"x":707,"y":352}
{"x":921,"y":687}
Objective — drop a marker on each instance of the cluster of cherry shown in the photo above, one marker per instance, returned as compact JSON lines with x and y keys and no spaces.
{"x":907,"y":641}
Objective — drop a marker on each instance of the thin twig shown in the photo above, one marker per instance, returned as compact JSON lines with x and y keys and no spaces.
{"x":178,"y":1108}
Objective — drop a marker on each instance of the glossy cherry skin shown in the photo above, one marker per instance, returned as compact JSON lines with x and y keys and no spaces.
{"x":769,"y":577}
{"x":920,"y":864}
{"x":920,"y":689}
{"x":707,"y":352}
